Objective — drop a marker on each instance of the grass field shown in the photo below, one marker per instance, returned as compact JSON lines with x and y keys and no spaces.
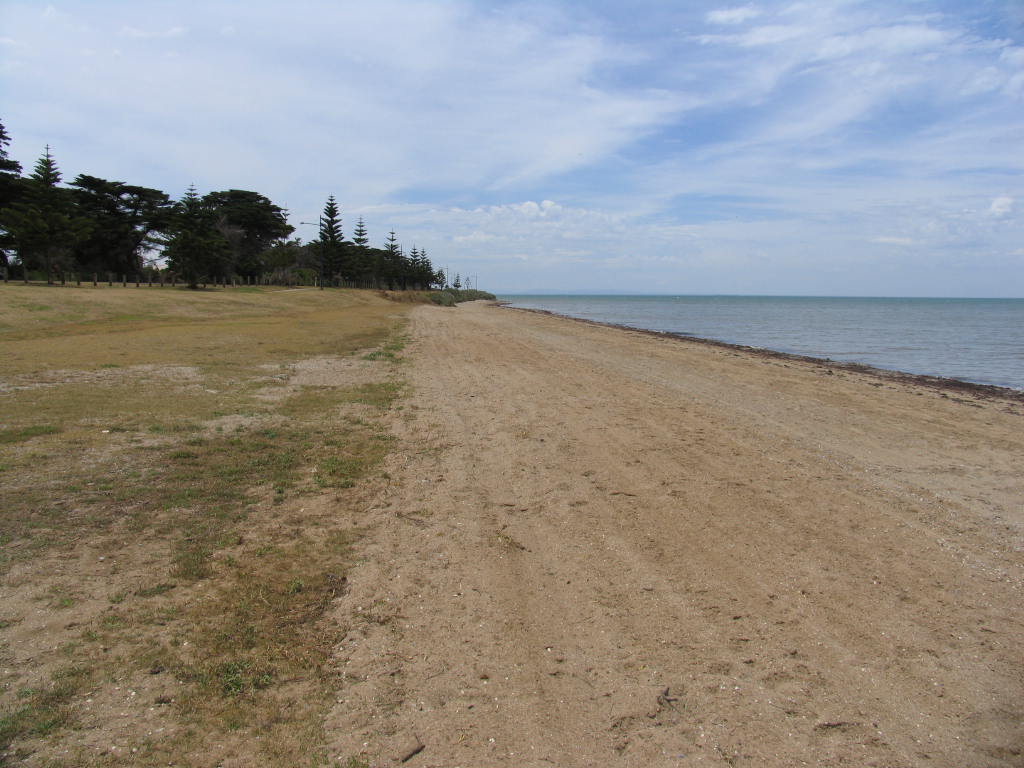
{"x":180,"y":480}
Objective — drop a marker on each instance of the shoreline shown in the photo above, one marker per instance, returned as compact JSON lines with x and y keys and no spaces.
{"x":607,"y":548}
{"x":938,"y":383}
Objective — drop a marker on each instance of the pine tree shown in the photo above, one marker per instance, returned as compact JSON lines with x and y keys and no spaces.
{"x":126,"y":222}
{"x":6,"y":164}
{"x":11,"y":188}
{"x":392,"y":266}
{"x":330,"y":241}
{"x":425,"y":274}
{"x":196,"y":249}
{"x":359,"y":236}
{"x":44,"y":224}
{"x":250,"y":223}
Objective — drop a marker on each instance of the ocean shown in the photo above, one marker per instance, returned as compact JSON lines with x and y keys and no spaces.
{"x":975,"y":340}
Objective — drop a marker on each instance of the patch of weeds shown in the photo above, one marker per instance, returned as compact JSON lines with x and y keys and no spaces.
{"x":338,"y":471}
{"x":348,"y":459}
{"x":242,"y":676}
{"x":19,"y":434}
{"x":111,"y":621}
{"x":261,"y":625}
{"x":379,"y":394}
{"x":178,"y":427}
{"x":40,"y":712}
{"x":69,"y":649}
{"x":388,"y":352}
{"x":160,"y":615}
{"x":60,"y":599}
{"x":312,"y":402}
{"x":155,"y":590}
{"x":191,"y":560}
{"x":212,"y":478}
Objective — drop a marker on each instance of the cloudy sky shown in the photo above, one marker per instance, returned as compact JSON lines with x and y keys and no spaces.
{"x":825,"y":147}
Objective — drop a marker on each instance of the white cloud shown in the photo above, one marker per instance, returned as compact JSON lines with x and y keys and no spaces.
{"x":1001,"y":206}
{"x":457,"y":97}
{"x":884,"y":41}
{"x":129,"y":31}
{"x":733,"y":15}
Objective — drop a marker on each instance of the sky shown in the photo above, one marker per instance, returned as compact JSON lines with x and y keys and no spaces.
{"x":826,"y":147}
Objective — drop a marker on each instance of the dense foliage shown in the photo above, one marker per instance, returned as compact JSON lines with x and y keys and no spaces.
{"x":99,"y":227}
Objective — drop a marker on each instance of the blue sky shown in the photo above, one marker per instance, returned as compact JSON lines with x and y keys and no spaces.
{"x":832,"y":147}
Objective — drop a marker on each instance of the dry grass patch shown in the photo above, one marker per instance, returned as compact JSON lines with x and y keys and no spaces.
{"x":175,"y":535}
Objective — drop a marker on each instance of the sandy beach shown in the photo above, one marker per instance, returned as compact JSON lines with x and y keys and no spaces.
{"x":601,"y":547}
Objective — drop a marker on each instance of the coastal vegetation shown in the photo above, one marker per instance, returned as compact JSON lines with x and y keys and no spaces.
{"x":97,"y":229}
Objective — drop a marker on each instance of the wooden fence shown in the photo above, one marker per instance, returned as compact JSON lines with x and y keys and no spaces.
{"x":163,"y":279}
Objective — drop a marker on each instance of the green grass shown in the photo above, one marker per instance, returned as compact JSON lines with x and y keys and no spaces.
{"x":380,"y":394}
{"x":41,"y":712}
{"x":389,"y":351}
{"x":21,"y":434}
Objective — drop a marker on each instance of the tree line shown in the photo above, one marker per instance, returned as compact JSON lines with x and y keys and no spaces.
{"x":96,"y":226}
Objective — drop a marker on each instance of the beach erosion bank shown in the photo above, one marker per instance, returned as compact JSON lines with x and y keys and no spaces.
{"x":606,"y":547}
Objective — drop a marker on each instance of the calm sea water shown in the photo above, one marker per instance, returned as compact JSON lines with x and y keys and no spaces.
{"x":978,"y":340}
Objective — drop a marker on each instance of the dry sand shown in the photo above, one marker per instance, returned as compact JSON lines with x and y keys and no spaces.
{"x":603,"y":548}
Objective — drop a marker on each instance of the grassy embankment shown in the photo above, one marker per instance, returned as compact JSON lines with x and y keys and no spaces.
{"x":180,"y":479}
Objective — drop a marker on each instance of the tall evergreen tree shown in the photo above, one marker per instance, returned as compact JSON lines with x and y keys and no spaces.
{"x":359,"y":236}
{"x":250,"y":223}
{"x":392,"y":267}
{"x":44,"y":223}
{"x":362,"y":262}
{"x":126,"y":221}
{"x":196,"y":249}
{"x":424,"y":271}
{"x":331,"y":251}
{"x":10,"y":189}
